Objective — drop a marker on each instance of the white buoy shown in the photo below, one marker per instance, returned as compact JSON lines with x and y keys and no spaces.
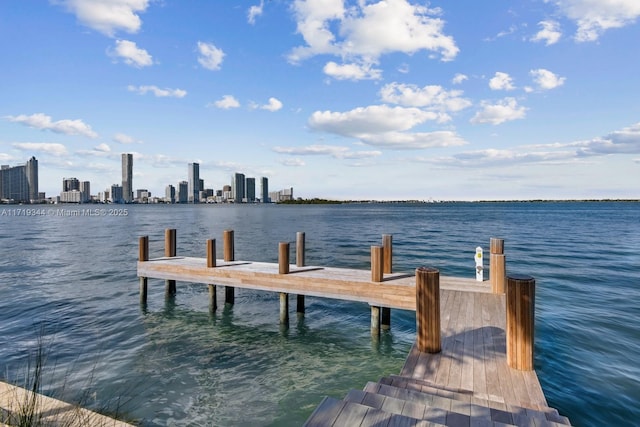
{"x":479,"y":266}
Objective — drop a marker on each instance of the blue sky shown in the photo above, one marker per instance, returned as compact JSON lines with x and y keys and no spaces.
{"x":364,"y":99}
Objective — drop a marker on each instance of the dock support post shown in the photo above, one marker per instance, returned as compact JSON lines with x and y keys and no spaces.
{"x":497,"y":266}
{"x":428,"y":310}
{"x":229,"y":255}
{"x":283,"y":268}
{"x":170,"y":251}
{"x":521,"y":296}
{"x":211,"y":263}
{"x":300,"y":261}
{"x":143,"y":255}
{"x":387,"y":249}
{"x":377,"y":265}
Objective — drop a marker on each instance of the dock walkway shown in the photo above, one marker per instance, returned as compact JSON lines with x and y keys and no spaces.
{"x":469,"y":375}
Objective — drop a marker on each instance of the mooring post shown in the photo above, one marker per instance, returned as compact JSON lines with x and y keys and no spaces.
{"x":428,"y":310}
{"x":387,"y":249}
{"x":283,"y":268}
{"x":211,"y":263}
{"x":521,"y":296}
{"x":300,"y":260}
{"x":377,"y":265}
{"x":143,"y":255}
{"x":170,"y":251}
{"x":229,"y":255}
{"x":497,"y":266}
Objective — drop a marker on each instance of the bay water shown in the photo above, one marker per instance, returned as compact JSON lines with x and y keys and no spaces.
{"x":68,"y":285}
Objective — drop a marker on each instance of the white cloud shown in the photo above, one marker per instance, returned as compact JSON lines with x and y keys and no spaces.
{"x":210,"y":56}
{"x":366,"y":31}
{"x":104,"y":148}
{"x":384,"y":126}
{"x":550,"y":32}
{"x":255,"y":11}
{"x":352,"y":71}
{"x":125,"y":139}
{"x":107,"y":16}
{"x":160,"y":93}
{"x":594,"y":17}
{"x":334,"y":151}
{"x":4,"y":157}
{"x":227,"y":102}
{"x":44,"y":147}
{"x":291,"y":162}
{"x":500,"y":112}
{"x":131,"y":54}
{"x":273,"y":105}
{"x":44,"y":122}
{"x":546,"y":80}
{"x":501,"y":81}
{"x":459,"y":78}
{"x":431,"y":97}
{"x":624,"y":141}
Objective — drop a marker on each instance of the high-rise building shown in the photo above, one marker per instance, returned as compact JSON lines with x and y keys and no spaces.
{"x":116,"y":194}
{"x":250,"y":190}
{"x":70,"y":184}
{"x":237,"y":187}
{"x":170,"y":194}
{"x":183,"y":192}
{"x":20,"y":183}
{"x":127,"y":177}
{"x":85,"y":191}
{"x":264,"y":189}
{"x":194,"y":182}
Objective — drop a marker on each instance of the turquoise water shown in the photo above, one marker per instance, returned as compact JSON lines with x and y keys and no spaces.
{"x":69,"y":282}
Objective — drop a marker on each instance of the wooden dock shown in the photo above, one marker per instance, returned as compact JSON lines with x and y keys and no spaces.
{"x":474,"y":369}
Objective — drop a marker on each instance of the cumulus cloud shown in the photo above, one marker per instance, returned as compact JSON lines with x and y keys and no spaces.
{"x":210,"y":56}
{"x":352,"y":71}
{"x":500,"y":112}
{"x":104,"y":148}
{"x":384,"y":126}
{"x":44,"y":147}
{"x":594,"y":17}
{"x":501,"y":81}
{"x":549,"y":33}
{"x":432,"y":97}
{"x":459,"y":78}
{"x":227,"y":102}
{"x":273,"y":105}
{"x":366,"y":31}
{"x":131,"y":54}
{"x":107,"y":16}
{"x":255,"y":11}
{"x":546,"y":80}
{"x":335,"y":151}
{"x":125,"y":139}
{"x":160,"y":93}
{"x":44,"y":122}
{"x":624,"y":141}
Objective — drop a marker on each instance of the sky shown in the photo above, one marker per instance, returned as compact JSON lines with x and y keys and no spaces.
{"x":339,"y":99}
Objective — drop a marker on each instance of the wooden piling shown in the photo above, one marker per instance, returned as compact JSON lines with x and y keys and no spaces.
{"x":428,"y":310}
{"x":283,"y":258}
{"x":521,"y":295}
{"x":284,"y":308}
{"x":497,"y":266}
{"x":229,"y":255}
{"x":143,"y":255}
{"x":211,"y":263}
{"x":283,"y":268}
{"x":170,"y":243}
{"x":300,"y":262}
{"x":387,"y":250}
{"x":377,"y":266}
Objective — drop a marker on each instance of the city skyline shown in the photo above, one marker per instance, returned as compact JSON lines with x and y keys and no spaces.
{"x":398,"y":98}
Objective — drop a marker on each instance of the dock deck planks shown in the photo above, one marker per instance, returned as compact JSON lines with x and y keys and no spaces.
{"x":472,"y":363}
